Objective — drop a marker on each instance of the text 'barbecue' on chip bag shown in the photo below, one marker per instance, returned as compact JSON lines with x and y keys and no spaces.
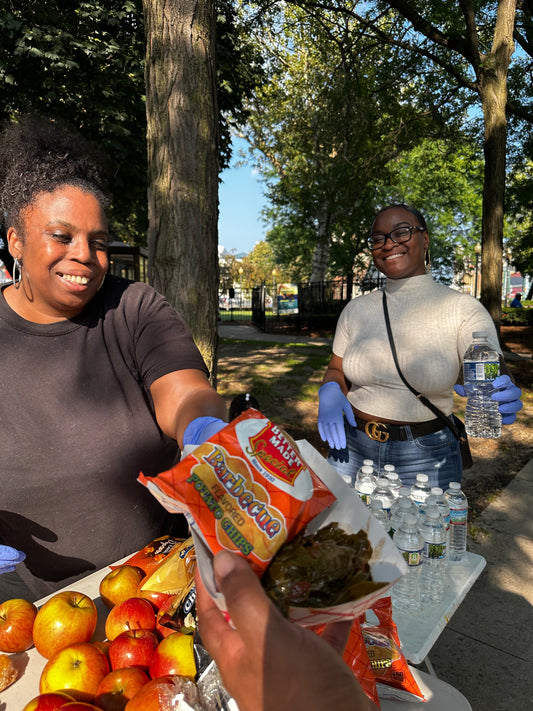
{"x":247,"y":489}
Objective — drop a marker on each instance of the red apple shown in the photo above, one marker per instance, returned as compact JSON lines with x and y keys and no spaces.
{"x":16,"y":625}
{"x":132,"y":614}
{"x":120,"y":584}
{"x":66,"y":618}
{"x":174,"y":656}
{"x":132,"y":648}
{"x":77,"y":669}
{"x":118,"y":687}
{"x":48,"y":702}
{"x":158,"y":694}
{"x":156,"y":598}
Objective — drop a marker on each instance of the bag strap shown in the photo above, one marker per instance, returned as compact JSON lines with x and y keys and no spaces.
{"x":423,"y":399}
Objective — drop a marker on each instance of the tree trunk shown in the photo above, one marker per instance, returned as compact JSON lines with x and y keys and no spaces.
{"x":181,"y":110}
{"x":492,"y":78}
{"x":323,"y":244}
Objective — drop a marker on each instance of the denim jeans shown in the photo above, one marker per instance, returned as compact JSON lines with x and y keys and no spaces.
{"x":437,"y":455}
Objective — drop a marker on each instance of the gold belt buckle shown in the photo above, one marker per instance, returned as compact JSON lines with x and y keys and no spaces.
{"x":375,"y":431}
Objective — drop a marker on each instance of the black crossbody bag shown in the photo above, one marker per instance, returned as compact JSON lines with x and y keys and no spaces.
{"x":456,"y":425}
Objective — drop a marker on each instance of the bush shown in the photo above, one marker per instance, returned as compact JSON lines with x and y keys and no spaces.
{"x":518,"y":317}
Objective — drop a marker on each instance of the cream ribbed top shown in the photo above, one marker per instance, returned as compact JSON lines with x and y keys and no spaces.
{"x":432,"y":327}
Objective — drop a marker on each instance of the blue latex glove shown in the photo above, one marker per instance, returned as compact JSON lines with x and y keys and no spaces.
{"x":332,"y":405}
{"x":508,"y":394}
{"x":9,"y":558}
{"x":202,"y":428}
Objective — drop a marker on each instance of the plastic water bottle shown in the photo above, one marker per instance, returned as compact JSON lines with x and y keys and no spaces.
{"x":481,"y":366}
{"x":442,"y":504}
{"x":370,"y":463}
{"x":377,"y":510}
{"x":383,"y":493}
{"x":365,"y":483}
{"x":395,"y":483}
{"x":405,"y":592}
{"x":433,"y":575}
{"x":458,"y":520}
{"x":399,"y":509}
{"x":420,"y":489}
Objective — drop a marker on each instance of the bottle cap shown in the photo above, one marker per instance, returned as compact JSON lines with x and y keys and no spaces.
{"x":455,"y":485}
{"x":422,"y":477}
{"x":436,"y":491}
{"x":480,"y":334}
{"x":367,"y":470}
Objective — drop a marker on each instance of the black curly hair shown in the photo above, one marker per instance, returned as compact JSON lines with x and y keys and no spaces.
{"x":39,"y":154}
{"x":416,"y":213}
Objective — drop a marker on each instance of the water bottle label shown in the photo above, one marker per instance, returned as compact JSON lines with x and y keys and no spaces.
{"x":412,"y":558}
{"x":435,"y":551}
{"x":484,"y":370}
{"x":365,"y":498}
{"x":458,"y":516}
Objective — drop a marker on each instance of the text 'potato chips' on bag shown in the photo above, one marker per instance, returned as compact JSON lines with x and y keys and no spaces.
{"x":247,"y":489}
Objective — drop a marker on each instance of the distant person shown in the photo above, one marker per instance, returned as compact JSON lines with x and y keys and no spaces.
{"x":516,"y":303}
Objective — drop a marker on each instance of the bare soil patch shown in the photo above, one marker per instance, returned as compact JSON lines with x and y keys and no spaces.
{"x":285,"y":379}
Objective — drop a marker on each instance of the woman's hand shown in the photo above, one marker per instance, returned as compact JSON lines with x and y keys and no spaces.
{"x":332,"y":406}
{"x":507,"y":394}
{"x":9,"y":558}
{"x":268,"y":663}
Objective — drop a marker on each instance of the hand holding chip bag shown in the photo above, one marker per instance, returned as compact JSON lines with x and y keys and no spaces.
{"x":247,"y":489}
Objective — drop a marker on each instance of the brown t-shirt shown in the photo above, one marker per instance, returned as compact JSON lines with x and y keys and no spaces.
{"x":77,"y":425}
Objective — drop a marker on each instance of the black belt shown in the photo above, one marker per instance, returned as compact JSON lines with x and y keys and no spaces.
{"x":383,"y":431}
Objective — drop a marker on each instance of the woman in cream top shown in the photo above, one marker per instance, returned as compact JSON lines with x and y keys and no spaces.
{"x":432,"y":327}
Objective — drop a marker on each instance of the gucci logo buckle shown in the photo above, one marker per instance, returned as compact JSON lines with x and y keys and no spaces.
{"x":376,"y":431}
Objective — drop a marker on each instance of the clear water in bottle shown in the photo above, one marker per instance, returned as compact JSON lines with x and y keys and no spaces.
{"x":442,"y":504}
{"x":420,"y":489}
{"x":481,"y":366}
{"x":383,"y":493}
{"x":405,"y":592}
{"x":458,"y":504}
{"x":433,"y":576}
{"x":395,"y":483}
{"x":377,"y":510}
{"x":365,"y":483}
{"x":399,"y":509}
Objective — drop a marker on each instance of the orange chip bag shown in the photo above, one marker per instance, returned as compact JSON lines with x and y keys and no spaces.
{"x":356,"y":657}
{"x":389,"y":665}
{"x":247,"y":489}
{"x":149,"y":557}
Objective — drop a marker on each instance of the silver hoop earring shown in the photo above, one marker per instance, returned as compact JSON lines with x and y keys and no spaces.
{"x":17,"y":277}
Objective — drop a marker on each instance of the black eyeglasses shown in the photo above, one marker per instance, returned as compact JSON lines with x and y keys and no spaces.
{"x":399,"y":235}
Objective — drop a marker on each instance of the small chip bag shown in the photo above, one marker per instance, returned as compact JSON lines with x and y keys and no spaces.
{"x":247,"y":489}
{"x":393,"y":677}
{"x":153,"y":554}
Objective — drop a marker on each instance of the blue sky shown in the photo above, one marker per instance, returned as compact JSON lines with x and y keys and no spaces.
{"x":241,"y":199}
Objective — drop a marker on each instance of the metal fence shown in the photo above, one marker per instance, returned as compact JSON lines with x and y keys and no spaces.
{"x":317,"y":305}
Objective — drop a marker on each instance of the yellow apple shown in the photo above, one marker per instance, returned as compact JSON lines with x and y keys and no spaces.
{"x":66,"y":618}
{"x":120,"y":584}
{"x":77,"y":670}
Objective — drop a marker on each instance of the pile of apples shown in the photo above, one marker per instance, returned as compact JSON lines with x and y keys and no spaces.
{"x":125,"y":672}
